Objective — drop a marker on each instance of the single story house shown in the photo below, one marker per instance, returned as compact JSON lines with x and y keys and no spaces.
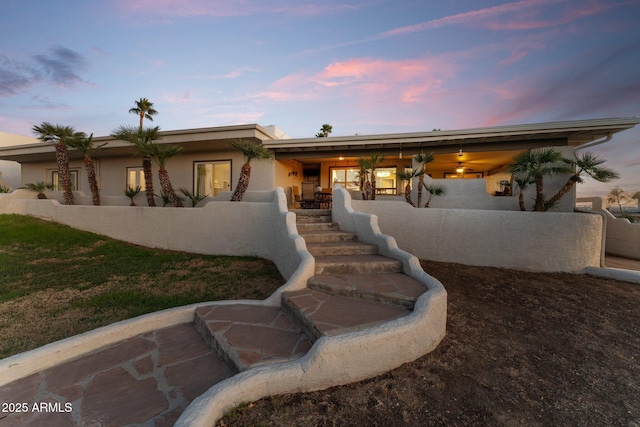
{"x":472,"y":163}
{"x":10,"y":171}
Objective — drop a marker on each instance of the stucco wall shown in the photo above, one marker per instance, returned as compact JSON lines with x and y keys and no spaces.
{"x":622,"y":236}
{"x":537,"y":241}
{"x":112,"y":176}
{"x":218,"y":228}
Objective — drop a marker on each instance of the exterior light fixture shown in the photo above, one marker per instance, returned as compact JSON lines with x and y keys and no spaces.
{"x":340,"y":158}
{"x":460,"y":168}
{"x":460,"y":152}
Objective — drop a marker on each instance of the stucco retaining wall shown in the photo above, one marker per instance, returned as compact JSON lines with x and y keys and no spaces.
{"x":537,"y":241}
{"x":623,"y":237}
{"x":218,"y":228}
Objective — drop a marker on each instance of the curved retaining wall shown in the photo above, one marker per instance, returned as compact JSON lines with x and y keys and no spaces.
{"x":253,"y":227}
{"x":331,"y":361}
{"x":285,"y":247}
{"x":340,"y":359}
{"x":537,"y":241}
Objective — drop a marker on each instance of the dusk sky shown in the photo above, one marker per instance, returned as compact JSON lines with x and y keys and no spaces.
{"x":364,"y":66}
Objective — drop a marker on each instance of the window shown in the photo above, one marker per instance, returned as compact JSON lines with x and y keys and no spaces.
{"x":55,"y":180}
{"x":349,"y":177}
{"x":135,"y":178}
{"x":211,"y":178}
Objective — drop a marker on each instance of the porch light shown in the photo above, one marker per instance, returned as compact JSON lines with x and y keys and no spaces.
{"x":340,"y":158}
{"x":460,"y":168}
{"x":460,"y":152}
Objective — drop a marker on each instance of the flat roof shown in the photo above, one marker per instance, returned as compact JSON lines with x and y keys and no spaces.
{"x":192,"y":140}
{"x":572,"y":133}
{"x":496,"y":138}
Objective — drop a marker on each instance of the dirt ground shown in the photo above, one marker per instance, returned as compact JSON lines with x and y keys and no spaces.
{"x":522,"y":349}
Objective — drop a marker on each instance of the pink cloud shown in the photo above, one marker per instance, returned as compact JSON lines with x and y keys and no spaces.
{"x":364,"y":81}
{"x":531,"y":20}
{"x":515,"y":57}
{"x":467,"y":17}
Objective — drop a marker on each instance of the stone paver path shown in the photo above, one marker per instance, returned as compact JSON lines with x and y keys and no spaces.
{"x":146,"y":380}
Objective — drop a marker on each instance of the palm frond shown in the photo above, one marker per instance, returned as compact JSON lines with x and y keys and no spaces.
{"x":249,"y":150}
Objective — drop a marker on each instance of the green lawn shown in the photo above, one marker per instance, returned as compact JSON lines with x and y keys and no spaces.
{"x":56,"y":281}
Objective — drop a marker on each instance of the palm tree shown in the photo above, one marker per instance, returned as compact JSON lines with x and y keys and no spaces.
{"x":422,"y":159}
{"x":39,"y":188}
{"x":143,"y":109}
{"x":408,"y":175}
{"x":131,"y":193}
{"x":325,"y":130}
{"x":363,"y":177}
{"x":250,"y":151}
{"x":59,"y":135}
{"x":588,"y":163}
{"x":374,"y":161}
{"x":195,"y":198}
{"x":84,"y":144}
{"x":161,"y":154}
{"x":142,"y":139}
{"x":433,"y":190}
{"x":523,"y":181}
{"x":534,"y":165}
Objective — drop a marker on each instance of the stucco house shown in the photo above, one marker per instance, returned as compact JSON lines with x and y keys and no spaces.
{"x":10,"y":171}
{"x":472,"y":162}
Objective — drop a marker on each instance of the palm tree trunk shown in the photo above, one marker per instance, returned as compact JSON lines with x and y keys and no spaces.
{"x":167,"y":188}
{"x":521,"y":200}
{"x":93,"y":182}
{"x":64,"y":175}
{"x":243,"y":183}
{"x":148,"y":180}
{"x":373,"y":184}
{"x":573,"y":179}
{"x":420,"y":186}
{"x":367,"y":190}
{"x":407,"y":194}
{"x":539,"y":203}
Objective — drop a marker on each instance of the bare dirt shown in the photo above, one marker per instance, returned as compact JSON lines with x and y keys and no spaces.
{"x":522,"y":349}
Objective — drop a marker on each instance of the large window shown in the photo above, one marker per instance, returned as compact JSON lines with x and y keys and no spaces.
{"x":55,"y":180}
{"x":349,"y":177}
{"x":210,"y":178}
{"x":135,"y":178}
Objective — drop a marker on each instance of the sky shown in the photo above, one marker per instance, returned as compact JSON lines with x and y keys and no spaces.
{"x":363,"y":66}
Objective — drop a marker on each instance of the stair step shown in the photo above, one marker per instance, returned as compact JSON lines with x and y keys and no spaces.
{"x":342,"y":248}
{"x":356,"y":264}
{"x":389,"y":288}
{"x":312,"y":227}
{"x":329,"y":236}
{"x":305,"y":216}
{"x":247,"y":335}
{"x":320,"y":313}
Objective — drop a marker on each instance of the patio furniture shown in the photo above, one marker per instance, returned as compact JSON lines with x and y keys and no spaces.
{"x":323,"y":200}
{"x":295,"y":195}
{"x":308,"y":200}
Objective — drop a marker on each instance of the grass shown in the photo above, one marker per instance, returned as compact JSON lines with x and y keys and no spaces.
{"x":56,"y":281}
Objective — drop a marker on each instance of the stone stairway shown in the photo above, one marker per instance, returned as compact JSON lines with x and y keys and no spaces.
{"x":353,"y":288}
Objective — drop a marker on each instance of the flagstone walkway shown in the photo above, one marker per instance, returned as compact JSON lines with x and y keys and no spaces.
{"x":150,"y":379}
